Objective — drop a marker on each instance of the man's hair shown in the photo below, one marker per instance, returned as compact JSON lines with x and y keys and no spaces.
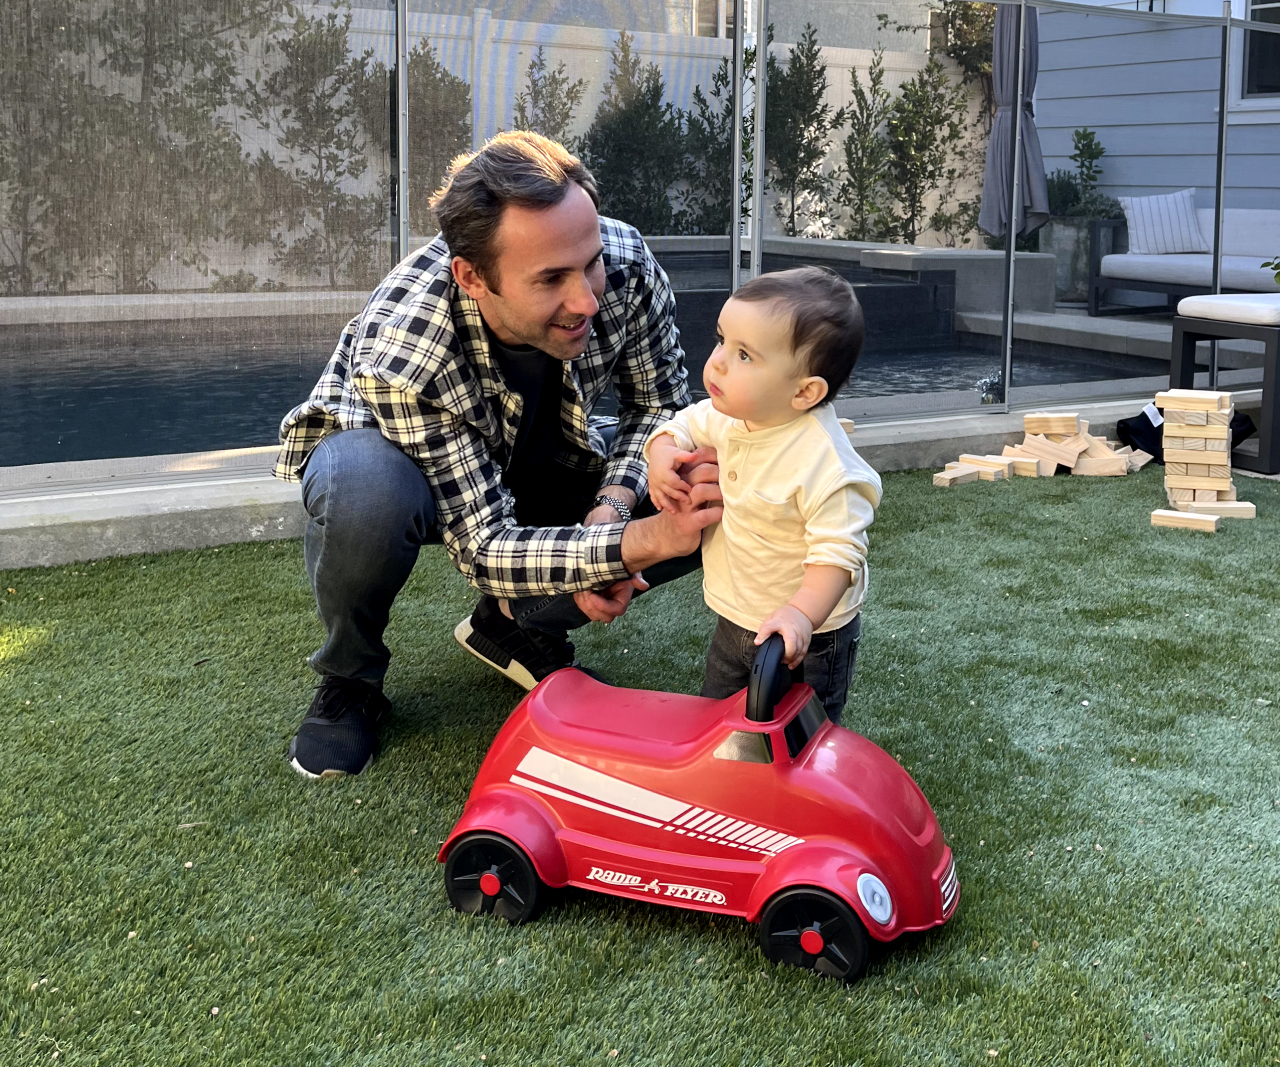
{"x":827,"y":328}
{"x":517,"y":167}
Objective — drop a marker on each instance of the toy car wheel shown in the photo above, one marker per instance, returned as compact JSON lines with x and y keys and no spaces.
{"x":816,"y":930}
{"x":486,"y":874}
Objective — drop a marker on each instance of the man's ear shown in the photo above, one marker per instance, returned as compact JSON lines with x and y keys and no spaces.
{"x":811,"y":392}
{"x":468,"y":278}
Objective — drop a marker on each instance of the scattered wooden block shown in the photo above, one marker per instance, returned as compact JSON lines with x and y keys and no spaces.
{"x":1184,"y":520}
{"x":1193,"y":400}
{"x":1187,"y":481}
{"x":1044,"y":422}
{"x":957,"y":475}
{"x":1224,"y":509}
{"x":1044,"y":467}
{"x":1108,"y":467}
{"x":1178,"y":469}
{"x":847,"y":426}
{"x":1138,"y":460}
{"x":1095,"y":448}
{"x":1125,"y":451}
{"x":1043,"y":448}
{"x":1028,"y":468}
{"x":992,"y":463}
{"x":985,"y":474}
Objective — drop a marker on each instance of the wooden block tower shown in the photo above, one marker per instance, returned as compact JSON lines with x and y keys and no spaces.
{"x":1197,"y":456}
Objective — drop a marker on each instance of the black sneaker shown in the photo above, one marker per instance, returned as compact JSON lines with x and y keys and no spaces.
{"x":338,"y":737}
{"x":524,"y":656}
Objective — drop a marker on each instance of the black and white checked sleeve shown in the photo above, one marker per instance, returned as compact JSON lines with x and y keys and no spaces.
{"x":649,"y":376}
{"x":475,"y":512}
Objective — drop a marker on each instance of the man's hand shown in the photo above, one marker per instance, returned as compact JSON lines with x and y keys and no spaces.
{"x":796,"y":629}
{"x":605,"y":605}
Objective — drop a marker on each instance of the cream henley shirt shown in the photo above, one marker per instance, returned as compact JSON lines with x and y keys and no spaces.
{"x":794,"y":494}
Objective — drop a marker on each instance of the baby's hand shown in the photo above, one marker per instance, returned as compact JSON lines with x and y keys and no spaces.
{"x":667,"y":489}
{"x":796,"y":630}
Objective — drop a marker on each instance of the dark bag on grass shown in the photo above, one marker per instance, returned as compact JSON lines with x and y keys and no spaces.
{"x":1140,"y":432}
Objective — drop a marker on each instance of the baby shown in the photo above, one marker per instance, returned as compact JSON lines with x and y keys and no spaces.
{"x":789,"y":555}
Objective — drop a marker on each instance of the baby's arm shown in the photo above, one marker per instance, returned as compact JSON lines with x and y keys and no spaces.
{"x":816,"y":599}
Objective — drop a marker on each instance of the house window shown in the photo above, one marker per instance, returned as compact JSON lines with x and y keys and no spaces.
{"x":1262,"y":52}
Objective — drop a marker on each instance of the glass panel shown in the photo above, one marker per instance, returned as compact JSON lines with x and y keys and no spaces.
{"x":194,"y":203}
{"x":1123,"y":107}
{"x":641,"y":92}
{"x":1262,"y":53}
{"x":874,"y":148}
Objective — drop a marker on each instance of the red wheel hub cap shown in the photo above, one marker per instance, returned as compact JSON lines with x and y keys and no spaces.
{"x":490,"y":885}
{"x":811,"y":941}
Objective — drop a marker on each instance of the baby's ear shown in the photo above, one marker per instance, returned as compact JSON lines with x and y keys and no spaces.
{"x":811,"y":392}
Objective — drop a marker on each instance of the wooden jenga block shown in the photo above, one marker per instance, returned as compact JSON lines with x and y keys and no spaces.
{"x":1195,"y":418}
{"x":1181,"y":494}
{"x":1225,"y":509}
{"x":1205,"y":496}
{"x":1174,"y":470}
{"x":1185,"y":430}
{"x":847,"y":426}
{"x":1043,"y":448}
{"x":992,"y":463}
{"x":1044,"y":422}
{"x":1193,"y":400}
{"x":1095,"y":448}
{"x":1184,"y":520}
{"x":956,"y":476}
{"x":1174,"y":415}
{"x":1188,"y":481}
{"x":1183,"y":444}
{"x":985,"y":474}
{"x":1221,"y":418}
{"x":1212,"y":445}
{"x":1219,"y":470}
{"x":1139,"y":459}
{"x":1228,"y":494}
{"x":1108,"y":467}
{"x":1197,"y":470}
{"x":1028,"y":468}
{"x":1191,"y":456}
{"x":1120,"y":450}
{"x":1044,"y":467}
{"x":1180,"y":505}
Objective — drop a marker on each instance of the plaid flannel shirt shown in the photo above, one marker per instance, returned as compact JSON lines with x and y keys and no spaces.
{"x":416,"y":365}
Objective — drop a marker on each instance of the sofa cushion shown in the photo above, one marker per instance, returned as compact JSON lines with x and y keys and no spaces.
{"x":1163,"y":225}
{"x":1238,"y":272}
{"x":1246,"y":231}
{"x":1255,"y":308}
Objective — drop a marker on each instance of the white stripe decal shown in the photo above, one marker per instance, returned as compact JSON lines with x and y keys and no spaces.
{"x":743,"y":831}
{"x":559,"y":771}
{"x":769,"y":842}
{"x":715,"y":824}
{"x":727,"y":832}
{"x":551,"y":791}
{"x":702,"y":820}
{"x":753,"y":840}
{"x":687,"y":816}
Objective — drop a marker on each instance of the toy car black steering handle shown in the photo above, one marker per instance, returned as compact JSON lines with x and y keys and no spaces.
{"x":770,"y":680}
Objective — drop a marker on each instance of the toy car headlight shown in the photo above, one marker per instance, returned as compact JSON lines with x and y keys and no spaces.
{"x":875,"y":898}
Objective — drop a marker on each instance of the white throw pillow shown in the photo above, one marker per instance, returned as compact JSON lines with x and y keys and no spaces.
{"x":1161,"y":225}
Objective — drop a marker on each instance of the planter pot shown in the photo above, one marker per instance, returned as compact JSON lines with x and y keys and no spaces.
{"x":1068,"y":240}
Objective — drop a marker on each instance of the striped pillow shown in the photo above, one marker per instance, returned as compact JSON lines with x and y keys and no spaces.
{"x":1159,"y":225}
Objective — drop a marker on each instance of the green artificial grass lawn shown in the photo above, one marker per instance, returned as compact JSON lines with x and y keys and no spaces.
{"x":1090,"y":705}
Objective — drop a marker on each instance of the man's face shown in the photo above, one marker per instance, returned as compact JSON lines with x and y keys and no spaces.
{"x":550,"y":270}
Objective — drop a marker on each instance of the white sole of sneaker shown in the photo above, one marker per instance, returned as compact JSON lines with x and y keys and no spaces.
{"x":512,"y":670}
{"x":327,"y":775}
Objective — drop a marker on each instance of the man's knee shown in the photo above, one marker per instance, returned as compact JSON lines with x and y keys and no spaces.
{"x":358,"y":484}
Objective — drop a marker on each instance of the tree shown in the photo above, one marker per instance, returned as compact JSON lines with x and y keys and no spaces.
{"x":866,"y":154}
{"x":798,"y":127}
{"x":310,"y":104}
{"x":704,"y":203}
{"x":633,"y":146}
{"x":439,"y":124}
{"x":925,"y":123}
{"x":548,"y":104}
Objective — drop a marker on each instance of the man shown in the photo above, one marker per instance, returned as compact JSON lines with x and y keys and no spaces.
{"x":455,"y":407}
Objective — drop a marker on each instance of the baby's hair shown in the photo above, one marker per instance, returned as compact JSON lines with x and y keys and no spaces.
{"x":827,"y":329}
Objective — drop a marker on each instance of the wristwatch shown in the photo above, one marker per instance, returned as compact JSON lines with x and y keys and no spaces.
{"x":614,"y":503}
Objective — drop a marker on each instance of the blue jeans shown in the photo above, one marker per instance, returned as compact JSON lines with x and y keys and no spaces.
{"x":370,"y":511}
{"x":828,"y":666}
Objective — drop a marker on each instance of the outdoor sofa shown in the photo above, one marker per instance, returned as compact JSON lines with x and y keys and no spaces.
{"x":1250,"y":237}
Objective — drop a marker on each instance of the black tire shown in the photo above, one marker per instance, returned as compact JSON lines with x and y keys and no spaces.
{"x":501,"y":865}
{"x":793,"y":913}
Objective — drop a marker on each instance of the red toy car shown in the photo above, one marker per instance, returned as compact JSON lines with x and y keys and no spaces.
{"x":756,"y":806}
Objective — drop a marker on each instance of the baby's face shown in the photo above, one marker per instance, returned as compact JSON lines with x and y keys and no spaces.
{"x":753,"y":374}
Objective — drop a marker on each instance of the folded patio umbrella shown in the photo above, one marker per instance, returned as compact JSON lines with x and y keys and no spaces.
{"x":1033,"y":208}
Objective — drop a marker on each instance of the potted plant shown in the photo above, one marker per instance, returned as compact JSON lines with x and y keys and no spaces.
{"x":1074,"y":200}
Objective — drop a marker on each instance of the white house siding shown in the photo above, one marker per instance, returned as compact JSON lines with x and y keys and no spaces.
{"x":1150,"y":91}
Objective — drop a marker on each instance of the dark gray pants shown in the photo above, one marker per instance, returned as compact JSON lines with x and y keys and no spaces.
{"x":828,"y":666}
